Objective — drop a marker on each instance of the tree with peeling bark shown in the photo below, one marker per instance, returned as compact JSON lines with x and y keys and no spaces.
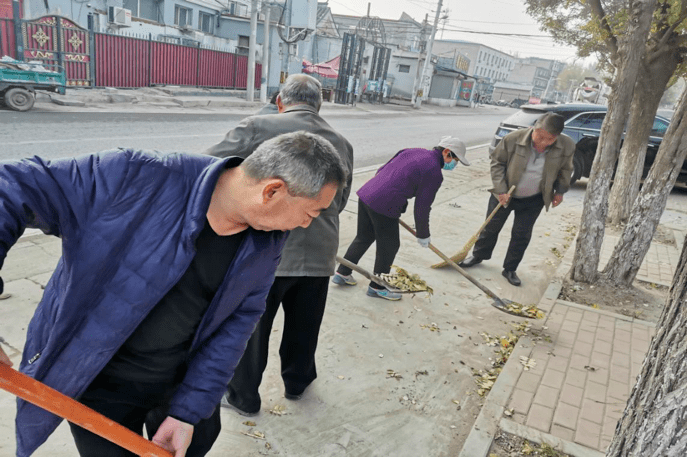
{"x":653,"y":423}
{"x":636,"y":237}
{"x":630,"y":52}
{"x":663,"y":59}
{"x":599,"y":28}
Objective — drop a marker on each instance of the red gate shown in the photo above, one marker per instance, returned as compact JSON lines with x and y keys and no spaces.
{"x":7,"y":42}
{"x":56,"y":40}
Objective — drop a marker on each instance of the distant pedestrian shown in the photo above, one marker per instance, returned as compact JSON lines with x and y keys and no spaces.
{"x":269,"y":107}
{"x":539,"y":162}
{"x":381,"y":201}
{"x":166,"y":263}
{"x":309,"y":257}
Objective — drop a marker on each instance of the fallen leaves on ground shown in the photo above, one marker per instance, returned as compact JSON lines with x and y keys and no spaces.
{"x":525,"y":310}
{"x":433,"y":327}
{"x":278,"y":410}
{"x":393,"y":374}
{"x":255,"y":434}
{"x":504,"y":348}
{"x":527,"y":362}
{"x":405,"y":281}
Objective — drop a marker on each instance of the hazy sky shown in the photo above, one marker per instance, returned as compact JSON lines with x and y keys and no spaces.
{"x":488,"y":17}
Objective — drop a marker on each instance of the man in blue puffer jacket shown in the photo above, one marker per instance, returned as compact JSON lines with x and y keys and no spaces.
{"x":167,"y":260}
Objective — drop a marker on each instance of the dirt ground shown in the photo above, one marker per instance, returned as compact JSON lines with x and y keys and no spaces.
{"x":643,"y":301}
{"x":507,"y":445}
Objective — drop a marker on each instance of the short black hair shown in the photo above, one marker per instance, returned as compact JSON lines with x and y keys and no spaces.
{"x":551,"y":122}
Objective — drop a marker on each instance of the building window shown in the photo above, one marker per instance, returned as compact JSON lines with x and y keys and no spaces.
{"x":404,"y":68}
{"x":244,"y":43}
{"x":182,"y":16}
{"x":145,"y":9}
{"x":205,"y":22}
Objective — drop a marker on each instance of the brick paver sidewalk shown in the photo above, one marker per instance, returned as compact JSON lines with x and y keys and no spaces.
{"x":582,"y":379}
{"x":578,"y":389}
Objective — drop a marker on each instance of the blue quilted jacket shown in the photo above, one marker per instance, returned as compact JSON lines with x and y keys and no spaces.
{"x":128,"y":221}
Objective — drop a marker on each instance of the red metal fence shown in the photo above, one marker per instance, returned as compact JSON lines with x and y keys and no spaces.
{"x":7,"y":43}
{"x":106,"y":60}
{"x":126,"y":61}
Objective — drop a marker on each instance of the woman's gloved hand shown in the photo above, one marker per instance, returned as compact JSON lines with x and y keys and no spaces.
{"x":424,"y":242}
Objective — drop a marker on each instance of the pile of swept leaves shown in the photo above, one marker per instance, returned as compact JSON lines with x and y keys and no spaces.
{"x":507,"y":445}
{"x":402,"y":280}
{"x":504,"y":348}
{"x":525,"y":310}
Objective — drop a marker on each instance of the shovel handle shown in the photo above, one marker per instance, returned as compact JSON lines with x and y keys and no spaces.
{"x":362,"y":271}
{"x":463,"y":253}
{"x":67,"y":408}
{"x":489,"y":293}
{"x":370,"y":276}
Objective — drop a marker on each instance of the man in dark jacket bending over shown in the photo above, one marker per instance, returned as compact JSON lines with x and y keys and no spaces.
{"x":167,"y":260}
{"x":309,"y":255}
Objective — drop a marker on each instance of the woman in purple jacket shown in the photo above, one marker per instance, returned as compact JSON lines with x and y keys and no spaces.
{"x":410,"y":173}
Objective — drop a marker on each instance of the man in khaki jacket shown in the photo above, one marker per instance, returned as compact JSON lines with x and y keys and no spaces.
{"x":539,"y":162}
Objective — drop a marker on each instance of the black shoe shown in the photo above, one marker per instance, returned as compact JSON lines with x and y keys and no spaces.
{"x":511,"y":277}
{"x":226,"y":403}
{"x":292,"y":396}
{"x":470,"y":262}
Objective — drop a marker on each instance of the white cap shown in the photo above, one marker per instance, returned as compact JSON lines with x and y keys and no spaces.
{"x":455,"y":146}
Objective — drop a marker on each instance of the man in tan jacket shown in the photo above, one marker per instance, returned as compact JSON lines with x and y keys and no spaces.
{"x":539,"y":162}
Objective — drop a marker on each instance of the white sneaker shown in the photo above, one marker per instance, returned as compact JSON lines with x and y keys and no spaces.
{"x":344,"y":280}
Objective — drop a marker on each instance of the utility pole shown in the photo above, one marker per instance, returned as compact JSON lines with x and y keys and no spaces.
{"x":265,"y":54}
{"x":250,"y":84}
{"x":286,"y":46}
{"x":416,"y":82}
{"x":423,"y":82}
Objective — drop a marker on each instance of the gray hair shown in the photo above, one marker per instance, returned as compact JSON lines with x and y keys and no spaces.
{"x":304,"y":161}
{"x":302,"y":89}
{"x":551,"y":122}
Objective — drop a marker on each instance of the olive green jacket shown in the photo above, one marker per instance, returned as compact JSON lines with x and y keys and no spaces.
{"x":509,"y":160}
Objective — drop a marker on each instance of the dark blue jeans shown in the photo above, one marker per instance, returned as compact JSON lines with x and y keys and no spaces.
{"x":527,"y":211}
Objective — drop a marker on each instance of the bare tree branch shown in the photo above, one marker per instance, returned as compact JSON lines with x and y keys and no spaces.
{"x":669,"y":32}
{"x":599,"y":12}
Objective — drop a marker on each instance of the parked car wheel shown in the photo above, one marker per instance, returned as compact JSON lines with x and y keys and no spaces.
{"x":578,"y":168}
{"x":19,"y":99}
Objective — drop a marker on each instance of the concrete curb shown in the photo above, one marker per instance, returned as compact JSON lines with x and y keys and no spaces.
{"x":484,"y":429}
{"x":559,"y":444}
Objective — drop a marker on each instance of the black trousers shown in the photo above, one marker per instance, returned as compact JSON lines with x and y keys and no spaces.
{"x":373,"y":227}
{"x":303,"y":299}
{"x":527,"y":211}
{"x":133,"y":404}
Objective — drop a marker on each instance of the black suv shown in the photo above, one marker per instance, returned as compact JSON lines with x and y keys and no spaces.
{"x":583,"y":124}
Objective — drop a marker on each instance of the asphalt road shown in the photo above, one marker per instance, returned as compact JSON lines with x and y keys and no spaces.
{"x":375,"y":136}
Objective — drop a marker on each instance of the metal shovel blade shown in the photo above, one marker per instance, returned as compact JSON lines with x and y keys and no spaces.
{"x":502,"y":305}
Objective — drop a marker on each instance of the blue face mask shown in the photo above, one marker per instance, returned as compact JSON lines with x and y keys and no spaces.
{"x":451,"y":165}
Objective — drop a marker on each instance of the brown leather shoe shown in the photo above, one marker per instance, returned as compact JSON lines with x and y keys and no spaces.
{"x":470,"y":262}
{"x":511,"y":277}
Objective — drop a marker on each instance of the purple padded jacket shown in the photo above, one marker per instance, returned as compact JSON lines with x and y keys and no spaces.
{"x":410,"y":173}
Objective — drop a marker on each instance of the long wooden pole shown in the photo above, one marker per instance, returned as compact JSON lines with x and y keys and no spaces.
{"x":67,"y":408}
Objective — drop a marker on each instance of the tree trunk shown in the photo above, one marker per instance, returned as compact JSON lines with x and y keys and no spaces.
{"x":636,"y":238}
{"x":644,"y":105}
{"x":653,"y":423}
{"x":586,"y":259}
